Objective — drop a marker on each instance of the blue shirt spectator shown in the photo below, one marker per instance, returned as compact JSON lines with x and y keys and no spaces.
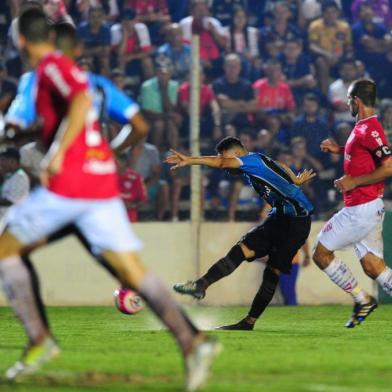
{"x":178,"y":53}
{"x":311,"y":126}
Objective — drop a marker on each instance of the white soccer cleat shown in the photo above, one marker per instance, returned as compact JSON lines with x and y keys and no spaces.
{"x":33,"y":358}
{"x":199,"y":361}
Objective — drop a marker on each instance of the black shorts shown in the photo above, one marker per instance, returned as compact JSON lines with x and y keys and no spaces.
{"x":280,"y":238}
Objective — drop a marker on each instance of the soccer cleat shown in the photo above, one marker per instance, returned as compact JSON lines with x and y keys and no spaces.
{"x":360,"y":312}
{"x":242,"y":325}
{"x":190,"y":288}
{"x":33,"y":358}
{"x":199,"y":361}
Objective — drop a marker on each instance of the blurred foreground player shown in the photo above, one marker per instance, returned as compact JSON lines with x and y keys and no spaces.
{"x":279,"y":237}
{"x":81,"y":188}
{"x":367,"y":163}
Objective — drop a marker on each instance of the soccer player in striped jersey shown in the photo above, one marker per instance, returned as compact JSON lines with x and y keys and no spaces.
{"x":279,"y":237}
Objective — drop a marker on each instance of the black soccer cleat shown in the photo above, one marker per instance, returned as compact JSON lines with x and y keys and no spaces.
{"x":360,"y":312}
{"x":190,"y":288}
{"x":242,"y":325}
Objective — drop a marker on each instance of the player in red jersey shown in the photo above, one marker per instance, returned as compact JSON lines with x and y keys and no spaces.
{"x":81,"y":189}
{"x":367,"y":163}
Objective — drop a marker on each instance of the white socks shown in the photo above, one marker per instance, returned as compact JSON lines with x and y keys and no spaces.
{"x":342,"y":276}
{"x":385,"y":280}
{"x":18,"y":289}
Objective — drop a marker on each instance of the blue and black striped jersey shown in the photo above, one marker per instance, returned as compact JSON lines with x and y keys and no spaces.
{"x":274,"y":185}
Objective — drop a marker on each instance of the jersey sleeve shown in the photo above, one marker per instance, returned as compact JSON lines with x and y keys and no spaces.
{"x":65,"y":77}
{"x":376,"y":142}
{"x":252,"y":164}
{"x":120,"y":107}
{"x":22,"y":110}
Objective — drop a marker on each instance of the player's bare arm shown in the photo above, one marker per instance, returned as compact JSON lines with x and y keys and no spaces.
{"x":347,"y":183}
{"x":79,"y":108}
{"x":178,"y":160}
{"x":329,"y":145}
{"x":302,"y":177}
{"x":131,"y":135}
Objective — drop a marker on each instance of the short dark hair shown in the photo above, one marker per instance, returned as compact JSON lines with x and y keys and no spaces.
{"x":366,"y":91}
{"x":311,"y":97}
{"x":344,"y":62}
{"x":65,"y":36}
{"x":227,"y":143}
{"x":33,"y":25}
{"x":326,"y":4}
{"x":10,"y":153}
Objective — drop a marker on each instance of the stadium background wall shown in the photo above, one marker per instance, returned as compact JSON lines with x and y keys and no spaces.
{"x":70,"y":277}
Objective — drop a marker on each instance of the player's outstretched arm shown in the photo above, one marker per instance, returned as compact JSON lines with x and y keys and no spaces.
{"x":302,"y":177}
{"x":178,"y":159}
{"x":329,"y":145}
{"x":347,"y":183}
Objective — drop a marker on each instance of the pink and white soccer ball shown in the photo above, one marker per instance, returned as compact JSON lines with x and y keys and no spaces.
{"x":127,"y":301}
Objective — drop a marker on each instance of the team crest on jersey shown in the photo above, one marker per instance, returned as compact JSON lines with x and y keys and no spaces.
{"x":362,"y":128}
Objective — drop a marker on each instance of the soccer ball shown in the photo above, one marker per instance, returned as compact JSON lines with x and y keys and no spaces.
{"x":127,"y":301}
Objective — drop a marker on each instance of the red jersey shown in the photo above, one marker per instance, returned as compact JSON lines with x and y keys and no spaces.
{"x":206,"y":95}
{"x":132,"y":190}
{"x":278,"y":97}
{"x":89,"y":170}
{"x":143,"y":7}
{"x":364,"y":151}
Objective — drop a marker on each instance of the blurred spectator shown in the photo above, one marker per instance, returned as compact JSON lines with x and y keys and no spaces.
{"x":311,"y":126}
{"x":56,"y":11}
{"x":329,"y":37}
{"x":158,"y":99}
{"x":297,"y":68}
{"x":210,"y":116}
{"x":281,"y":29}
{"x":178,"y":53}
{"x":131,"y":39}
{"x":337,"y":93}
{"x":110,"y":7}
{"x":371,"y":41}
{"x":5,"y":19}
{"x":15,"y":185}
{"x":243,"y":40}
{"x":311,"y":9}
{"x":94,"y":34}
{"x":234,"y":94}
{"x":342,"y":132}
{"x":212,"y":38}
{"x":224,"y":10}
{"x":381,"y":9}
{"x":7,"y":90}
{"x":267,"y":144}
{"x":154,"y":13}
{"x":272,"y":93}
{"x":132,"y":189}
{"x":144,"y":159}
{"x":386,"y":118}
{"x":178,"y":9}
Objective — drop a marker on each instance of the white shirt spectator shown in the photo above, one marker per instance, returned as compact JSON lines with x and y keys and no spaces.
{"x":337,"y":94}
{"x":186,"y":26}
{"x":143,"y":36}
{"x":311,"y":9}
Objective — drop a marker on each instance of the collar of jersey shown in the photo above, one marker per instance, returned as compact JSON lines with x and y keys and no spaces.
{"x":367,"y":118}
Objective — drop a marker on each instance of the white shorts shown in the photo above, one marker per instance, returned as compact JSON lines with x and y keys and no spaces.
{"x":104,"y":223}
{"x":359,"y":226}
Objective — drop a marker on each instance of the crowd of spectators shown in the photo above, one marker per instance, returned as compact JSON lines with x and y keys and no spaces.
{"x":274,"y":73}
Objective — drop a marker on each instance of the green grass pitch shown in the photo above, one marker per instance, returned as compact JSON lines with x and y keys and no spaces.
{"x":292,"y":349}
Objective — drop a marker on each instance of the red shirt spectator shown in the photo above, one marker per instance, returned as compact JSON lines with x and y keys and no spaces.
{"x":272,"y":93}
{"x":206,"y":95}
{"x":146,"y":7}
{"x":132,"y":191}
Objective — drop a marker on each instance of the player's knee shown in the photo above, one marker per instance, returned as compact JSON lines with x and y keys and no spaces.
{"x":372,"y":266}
